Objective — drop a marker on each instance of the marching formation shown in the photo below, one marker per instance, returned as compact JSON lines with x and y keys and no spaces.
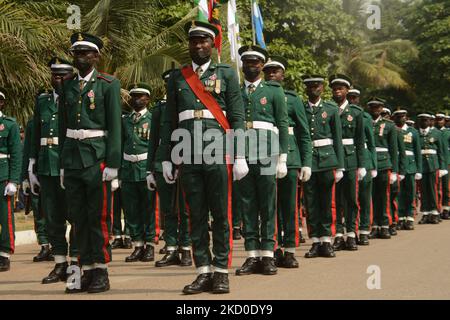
{"x":355,"y":171}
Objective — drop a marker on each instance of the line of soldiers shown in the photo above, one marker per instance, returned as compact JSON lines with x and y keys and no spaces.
{"x":351,"y":172}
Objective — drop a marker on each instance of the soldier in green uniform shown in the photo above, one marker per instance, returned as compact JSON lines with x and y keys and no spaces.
{"x":39,"y":220}
{"x":413,"y":170}
{"x":171,"y":203}
{"x":353,"y":139}
{"x":206,"y":182}
{"x":10,"y":166}
{"x":299,"y":158}
{"x":434,"y":167}
{"x":385,"y":135}
{"x":138,"y":201}
{"x":267,"y":130}
{"x":90,"y":137}
{"x":327,"y":167}
{"x":445,"y":201}
{"x":44,"y":169}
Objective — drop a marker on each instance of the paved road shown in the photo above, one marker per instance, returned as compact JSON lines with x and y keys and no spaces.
{"x":414,"y":265}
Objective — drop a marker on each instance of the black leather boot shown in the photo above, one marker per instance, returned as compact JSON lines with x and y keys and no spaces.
{"x":186,"y":259}
{"x":250,"y":266}
{"x":314,"y":251}
{"x":279,"y":257}
{"x":86,"y":280}
{"x":117,"y":244}
{"x":384,"y":233}
{"x":350,"y":244}
{"x":127,"y":244}
{"x":5,"y":264}
{"x":289,"y":260}
{"x":170,"y":258}
{"x":59,"y":273}
{"x":374,"y":233}
{"x":100,"y":281}
{"x":339,"y":244}
{"x":44,"y":255}
{"x":268,"y":267}
{"x":203,"y":283}
{"x":136,"y":255}
{"x":326,"y":250}
{"x":409,"y":225}
{"x":149,"y":254}
{"x":363,"y":240}
{"x":220,"y":283}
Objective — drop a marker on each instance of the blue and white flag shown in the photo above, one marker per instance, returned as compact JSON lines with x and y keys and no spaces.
{"x":258,"y":25}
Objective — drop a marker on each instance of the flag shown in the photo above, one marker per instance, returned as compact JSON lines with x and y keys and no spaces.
{"x":203,"y":9}
{"x":233,"y":30}
{"x":258,"y":25}
{"x":214,"y":18}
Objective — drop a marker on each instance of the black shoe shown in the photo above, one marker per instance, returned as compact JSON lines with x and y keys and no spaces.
{"x":163,"y":250}
{"x":409,"y":225}
{"x":127,"y":244}
{"x":350,"y":244}
{"x":186,"y":259}
{"x":44,"y":255}
{"x":384,"y":233}
{"x":401,"y":225}
{"x":4,"y":264}
{"x":170,"y":258}
{"x":220,"y":283}
{"x":100,"y":281}
{"x":393,"y":230}
{"x":59,"y":273}
{"x":326,"y":250}
{"x":117,"y":243}
{"x":149,"y":254}
{"x":289,"y":260}
{"x":433,"y":219}
{"x":445,"y":215}
{"x":250,"y":266}
{"x":203,"y":283}
{"x":314,"y":251}
{"x":374,"y":233}
{"x":136,"y":255}
{"x":268,"y":267}
{"x":363,"y":240}
{"x":339,"y":244}
{"x":425,"y":219}
{"x":278,"y":256}
{"x":302,"y":239}
{"x":86,"y":280}
{"x":236,"y":234}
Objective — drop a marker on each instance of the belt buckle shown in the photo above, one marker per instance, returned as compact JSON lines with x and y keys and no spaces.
{"x":135,"y":157}
{"x":49,"y":141}
{"x":198,"y":114}
{"x":249,"y":124}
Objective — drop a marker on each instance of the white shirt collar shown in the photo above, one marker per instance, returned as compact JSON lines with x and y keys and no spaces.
{"x":204,"y":66}
{"x":55,"y":95}
{"x":405,"y":127}
{"x":425,"y":131}
{"x":1,"y":114}
{"x":256,"y":83}
{"x":344,"y":105}
{"x":314,"y":104}
{"x":142,"y":112}
{"x":88,"y":77}
{"x":378,"y":119}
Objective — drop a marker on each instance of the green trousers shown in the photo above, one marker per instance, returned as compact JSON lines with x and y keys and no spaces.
{"x":365,"y":203}
{"x":6,"y":221}
{"x":237,"y":210}
{"x":139,"y":205}
{"x":39,"y":221}
{"x":287,"y":210}
{"x":445,"y":192}
{"x":347,"y":204}
{"x":320,"y":202}
{"x":89,"y":199}
{"x":429,"y":191}
{"x":380,"y":196}
{"x":207,"y":188}
{"x":54,"y":205}
{"x":406,"y":197}
{"x":395,"y":190}
{"x":256,"y":193}
{"x":175,"y":219}
{"x":118,"y":230}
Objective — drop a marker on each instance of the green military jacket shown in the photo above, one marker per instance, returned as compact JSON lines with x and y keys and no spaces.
{"x":135,"y":140}
{"x":446,"y":141}
{"x":101,"y":111}
{"x":26,"y":150}
{"x":370,"y":152}
{"x":325,"y":123}
{"x":402,"y":161}
{"x":299,"y":143}
{"x":353,"y":128}
{"x":432,"y":140}
{"x":385,"y":134}
{"x":267,"y":104}
{"x":45,"y":125}
{"x":180,"y":97}
{"x":154,"y":152}
{"x":11,"y":146}
{"x":410,"y":137}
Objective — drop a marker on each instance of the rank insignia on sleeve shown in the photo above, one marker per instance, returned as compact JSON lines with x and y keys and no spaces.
{"x":263,"y":101}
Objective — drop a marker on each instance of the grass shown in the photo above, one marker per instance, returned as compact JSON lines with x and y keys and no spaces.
{"x":23,"y":222}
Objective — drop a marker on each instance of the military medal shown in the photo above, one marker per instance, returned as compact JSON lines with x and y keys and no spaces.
{"x":324,"y":115}
{"x":91,"y":96}
{"x":2,"y":127}
{"x":431,"y":140}
{"x":350,"y":118}
{"x":263,"y":101}
{"x":145,"y":125}
{"x":381,"y":129}
{"x":218,"y":86}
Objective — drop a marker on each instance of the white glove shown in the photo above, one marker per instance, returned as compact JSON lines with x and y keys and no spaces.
{"x":418,"y":176}
{"x":373,"y":173}
{"x":339,"y":175}
{"x":151,"y":182}
{"x":281,"y":166}
{"x":167,"y":172}
{"x":393,"y":178}
{"x":114,"y":184}
{"x":61,"y":179}
{"x":110,"y":174}
{"x":442,"y":173}
{"x":25,"y":186}
{"x":240,"y":169}
{"x":10,"y":189}
{"x":401,"y":177}
{"x":305,"y":174}
{"x":361,"y":173}
{"x":32,"y":177}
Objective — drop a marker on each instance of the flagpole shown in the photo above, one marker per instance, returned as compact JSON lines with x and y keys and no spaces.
{"x":253,"y":23}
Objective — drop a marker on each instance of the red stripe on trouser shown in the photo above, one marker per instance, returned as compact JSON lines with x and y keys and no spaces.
{"x":442,"y":196}
{"x":296,"y":217}
{"x":357,"y":206}
{"x":388,"y":196}
{"x":276,"y":217}
{"x":111,"y":213}
{"x":103,"y":223}
{"x":333,"y":206}
{"x":10,"y":224}
{"x":188,"y":210}
{"x":157,"y":229}
{"x":396,"y":201}
{"x":436,"y":189}
{"x":230,"y":212}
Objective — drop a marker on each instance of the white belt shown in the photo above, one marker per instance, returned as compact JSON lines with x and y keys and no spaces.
{"x":409,"y":153}
{"x":4,"y":156}
{"x":264,"y":125}
{"x":49,"y":141}
{"x":322,"y":142}
{"x":135,"y":157}
{"x":379,"y":149}
{"x":347,"y":142}
{"x":196,"y":114}
{"x":291,"y":131}
{"x":429,"y":151}
{"x":82,"y":134}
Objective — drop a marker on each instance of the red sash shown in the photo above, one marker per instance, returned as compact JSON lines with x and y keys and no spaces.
{"x":204,"y":96}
